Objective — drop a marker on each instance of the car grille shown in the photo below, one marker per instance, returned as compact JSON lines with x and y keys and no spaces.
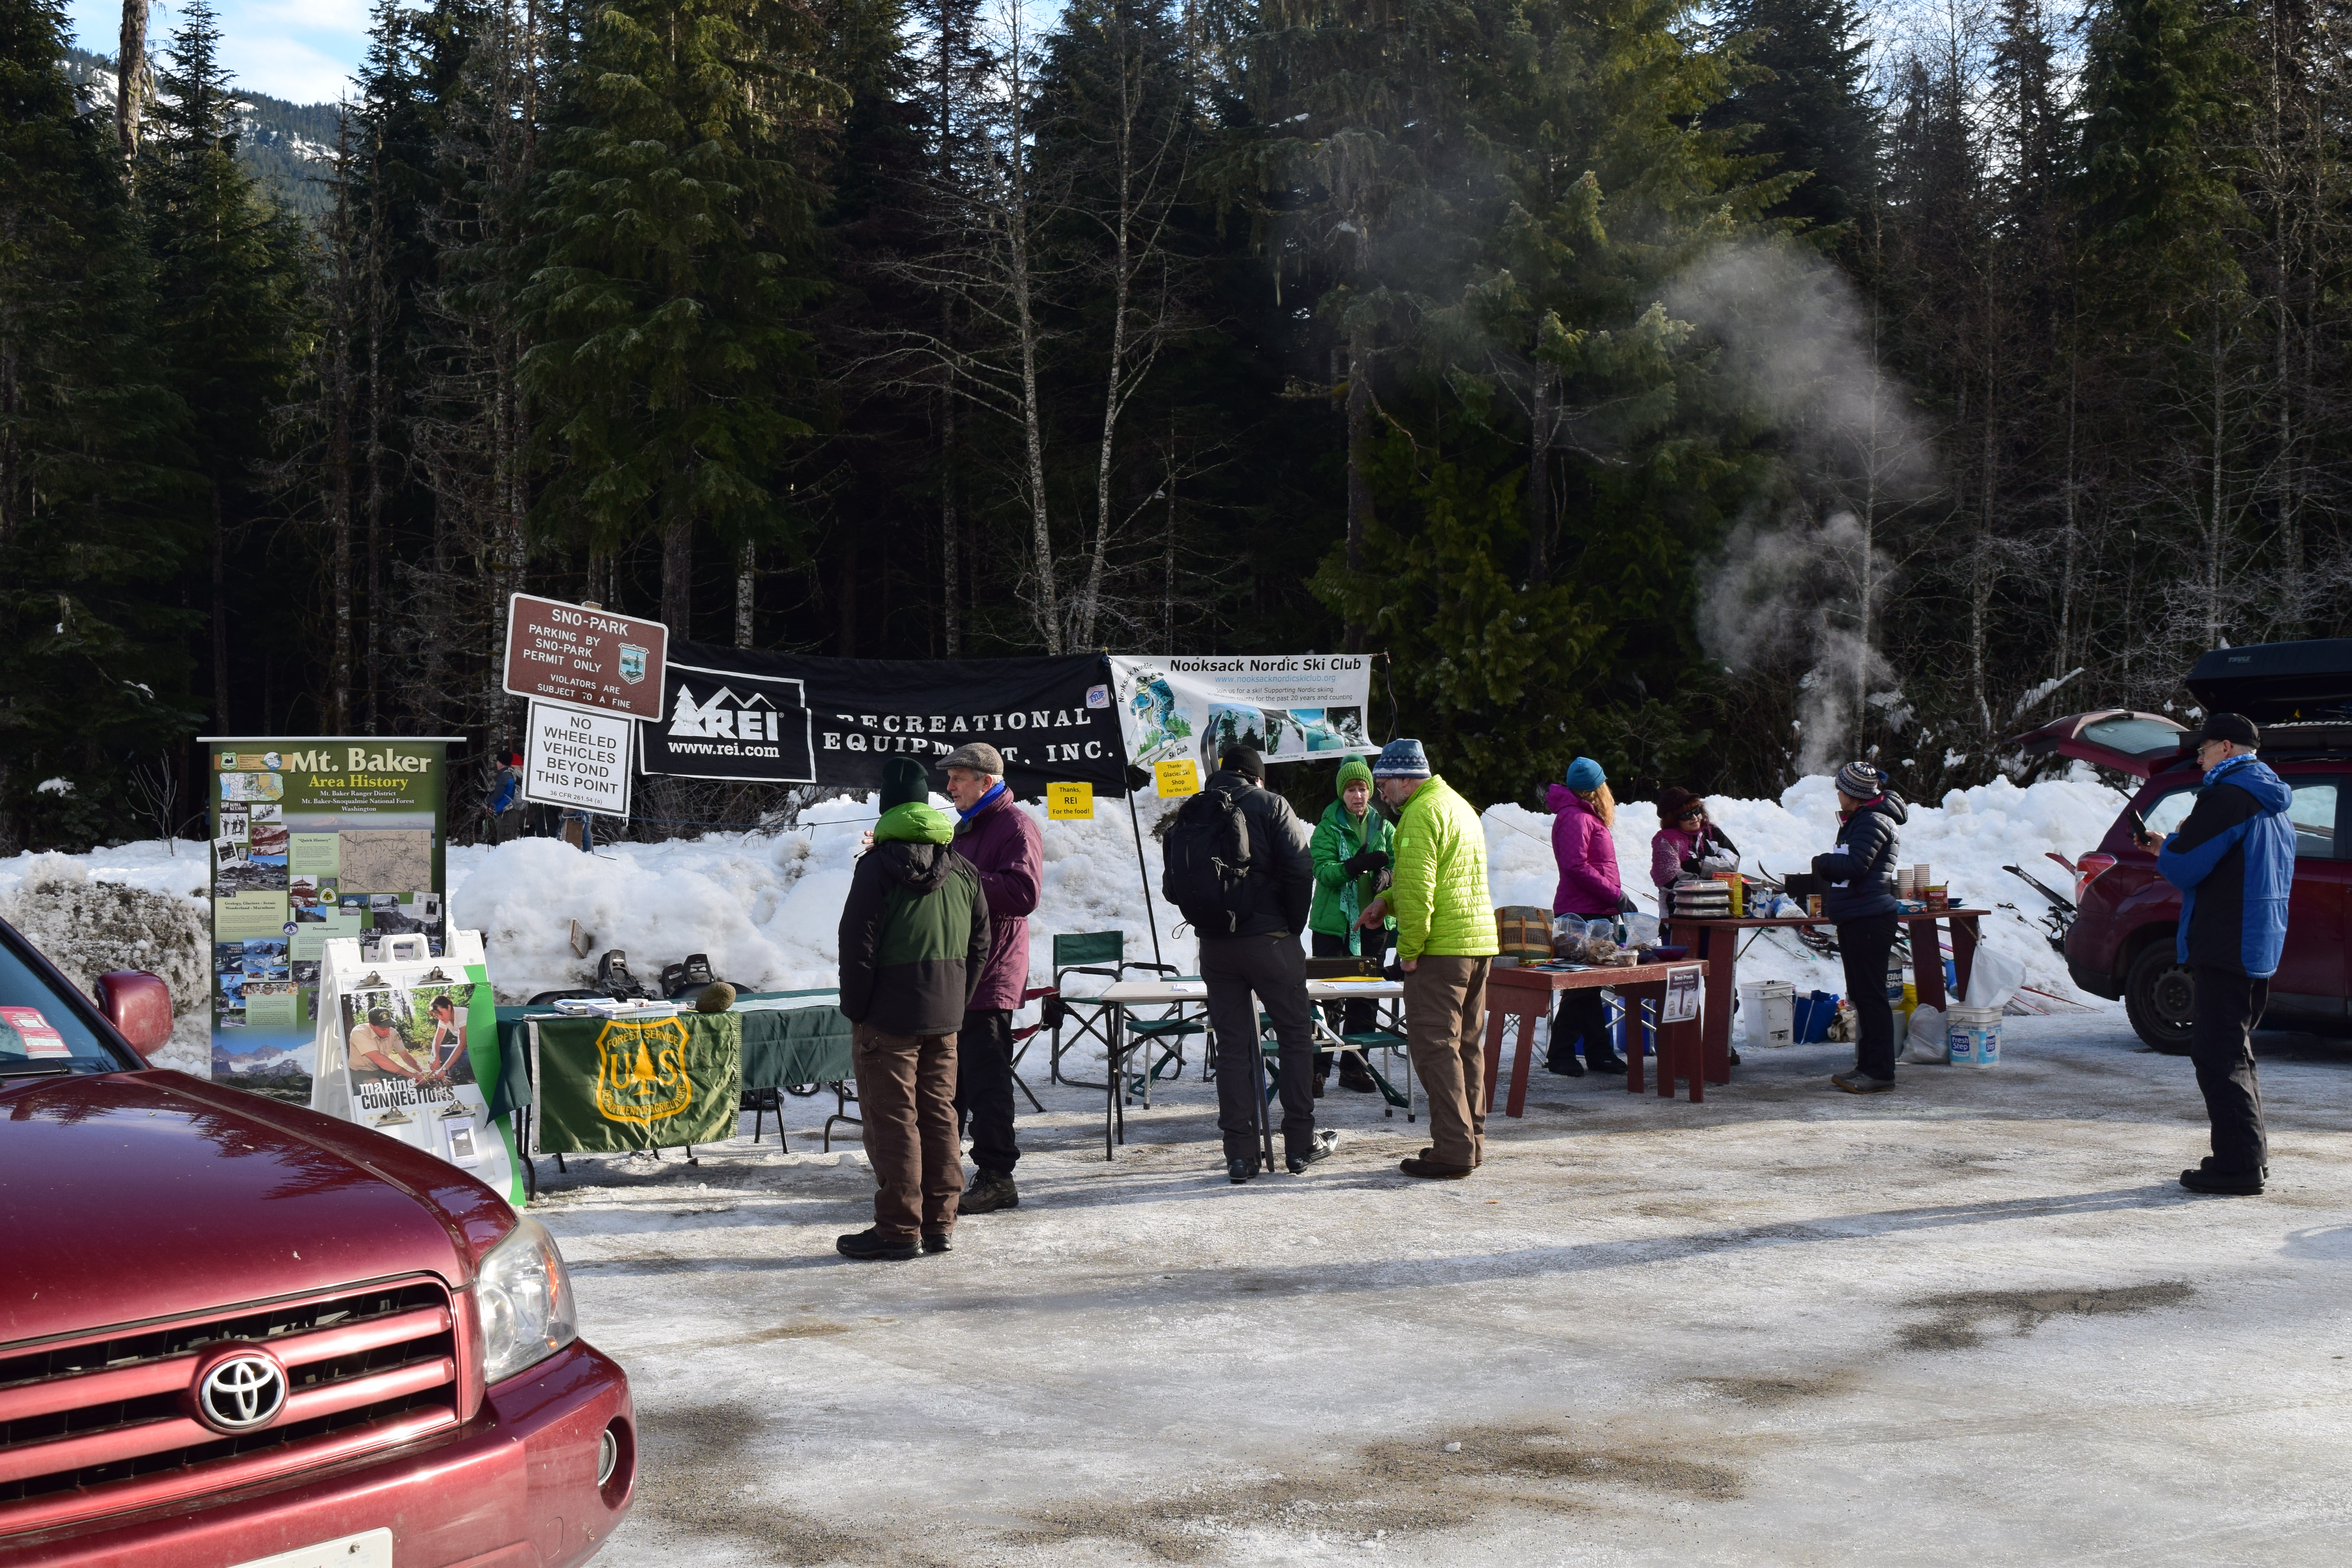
{"x":104,"y":1425}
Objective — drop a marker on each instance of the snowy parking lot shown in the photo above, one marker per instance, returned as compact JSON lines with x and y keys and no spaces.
{"x":1976,"y":1319}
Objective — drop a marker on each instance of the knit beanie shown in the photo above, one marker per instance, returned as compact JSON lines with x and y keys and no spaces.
{"x":904,"y":783}
{"x":1584,"y":775}
{"x":1243,"y":760}
{"x":1861,"y":781}
{"x":1352,"y":770}
{"x":1401,"y":759}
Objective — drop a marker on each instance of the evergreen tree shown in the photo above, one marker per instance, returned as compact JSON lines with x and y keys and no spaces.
{"x":89,"y":531}
{"x":674,"y":229}
{"x":231,"y":324}
{"x":1809,"y":103}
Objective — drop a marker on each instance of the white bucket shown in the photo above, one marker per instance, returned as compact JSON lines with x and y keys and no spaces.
{"x":1973,"y":1036}
{"x":1768,"y":1007}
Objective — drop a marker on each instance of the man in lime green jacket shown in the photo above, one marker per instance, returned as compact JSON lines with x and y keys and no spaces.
{"x":1445,"y":940}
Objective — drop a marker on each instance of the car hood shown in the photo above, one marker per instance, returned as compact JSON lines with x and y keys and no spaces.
{"x":141,"y":1195}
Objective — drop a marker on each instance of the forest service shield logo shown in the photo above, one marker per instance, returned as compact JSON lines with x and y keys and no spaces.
{"x":641,"y":1075}
{"x":632,"y":663}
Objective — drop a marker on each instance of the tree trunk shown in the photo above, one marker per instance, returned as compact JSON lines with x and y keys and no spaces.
{"x":678,"y":577}
{"x":130,"y":78}
{"x":220,"y":611}
{"x":844,"y":600}
{"x":1359,"y":456}
{"x":744,"y":564}
{"x":1538,"y":496}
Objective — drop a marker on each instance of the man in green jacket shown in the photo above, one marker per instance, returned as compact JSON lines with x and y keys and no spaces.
{"x":913,"y":939}
{"x":1350,"y":852}
{"x":1445,"y":940}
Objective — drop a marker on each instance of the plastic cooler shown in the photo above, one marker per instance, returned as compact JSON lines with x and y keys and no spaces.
{"x":1769,"y":1007}
{"x":1972,"y":1035}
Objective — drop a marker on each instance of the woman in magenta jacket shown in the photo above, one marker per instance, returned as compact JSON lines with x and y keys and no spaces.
{"x":1583,"y":813}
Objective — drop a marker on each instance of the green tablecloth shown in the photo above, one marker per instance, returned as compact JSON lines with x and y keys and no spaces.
{"x":804,"y":1040}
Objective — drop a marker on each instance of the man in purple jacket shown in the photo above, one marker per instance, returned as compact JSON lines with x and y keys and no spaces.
{"x":1002,"y":843}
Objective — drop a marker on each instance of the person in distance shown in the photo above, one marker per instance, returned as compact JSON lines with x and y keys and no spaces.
{"x":1583,"y":817}
{"x":1003,"y":845}
{"x":1860,"y":901}
{"x":1350,"y":851}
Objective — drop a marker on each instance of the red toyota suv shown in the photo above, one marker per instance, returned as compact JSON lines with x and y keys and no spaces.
{"x":235,"y":1332}
{"x":2121,"y":942}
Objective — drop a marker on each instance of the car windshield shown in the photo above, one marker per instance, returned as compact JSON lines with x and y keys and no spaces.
{"x":41,"y":1032}
{"x":2133,"y":737}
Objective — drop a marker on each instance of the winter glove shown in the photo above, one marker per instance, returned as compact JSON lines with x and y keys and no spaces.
{"x":1625,"y":904}
{"x":1369,"y":860}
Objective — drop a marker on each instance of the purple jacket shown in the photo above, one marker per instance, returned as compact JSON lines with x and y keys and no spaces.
{"x":1005,"y":846}
{"x":1586,"y":856}
{"x":1672,"y":846}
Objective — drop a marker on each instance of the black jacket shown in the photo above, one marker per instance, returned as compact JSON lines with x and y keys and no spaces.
{"x":1860,"y":870}
{"x":1282,"y":871}
{"x":913,"y":939}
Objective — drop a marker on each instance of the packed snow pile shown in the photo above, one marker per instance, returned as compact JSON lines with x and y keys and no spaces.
{"x":765,"y":906}
{"x":90,"y":925}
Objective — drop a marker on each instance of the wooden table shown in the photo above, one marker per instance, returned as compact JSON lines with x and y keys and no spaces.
{"x":1717,"y":941}
{"x":1527,"y":995}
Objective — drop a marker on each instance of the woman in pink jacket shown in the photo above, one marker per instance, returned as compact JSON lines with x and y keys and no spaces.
{"x":1685,"y":836}
{"x":1583,"y":813}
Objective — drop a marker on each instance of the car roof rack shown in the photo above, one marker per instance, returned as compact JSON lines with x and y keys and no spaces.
{"x":2307,"y":682}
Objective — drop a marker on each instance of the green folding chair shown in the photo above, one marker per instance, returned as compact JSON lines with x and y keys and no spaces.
{"x":1080,"y":1019}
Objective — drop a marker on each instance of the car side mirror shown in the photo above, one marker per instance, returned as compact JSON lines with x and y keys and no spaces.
{"x":138,"y":1005}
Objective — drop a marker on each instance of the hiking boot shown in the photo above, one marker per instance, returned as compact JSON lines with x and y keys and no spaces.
{"x":1355,"y":1079}
{"x":989,"y":1190}
{"x":1320,"y":1149}
{"x":1430,"y":1170}
{"x":1429,"y":1156}
{"x":1607,"y":1061}
{"x":870,"y":1245}
{"x":1238,"y":1170}
{"x":938,"y":1241}
{"x":2223,"y":1183}
{"x":1318,"y":1086}
{"x":1860,"y":1082}
{"x":2207,"y":1164}
{"x":1567,"y":1066}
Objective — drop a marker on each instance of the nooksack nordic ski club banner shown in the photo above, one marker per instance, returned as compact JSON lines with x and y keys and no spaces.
{"x":773,"y":718}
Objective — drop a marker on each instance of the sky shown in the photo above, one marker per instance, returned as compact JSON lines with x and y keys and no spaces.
{"x":302,"y":50}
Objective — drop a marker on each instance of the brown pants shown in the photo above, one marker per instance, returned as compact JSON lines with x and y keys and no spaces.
{"x":906,"y":1093}
{"x":1445,"y":1029}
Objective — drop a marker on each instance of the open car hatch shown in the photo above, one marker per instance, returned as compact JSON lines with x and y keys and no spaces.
{"x":2117,"y":737}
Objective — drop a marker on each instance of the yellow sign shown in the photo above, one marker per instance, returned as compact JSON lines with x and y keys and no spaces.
{"x":1070,"y":802}
{"x":641,"y":1070}
{"x":1177,"y":779}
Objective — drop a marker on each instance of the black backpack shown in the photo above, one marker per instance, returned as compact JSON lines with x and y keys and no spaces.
{"x":1206,"y":864}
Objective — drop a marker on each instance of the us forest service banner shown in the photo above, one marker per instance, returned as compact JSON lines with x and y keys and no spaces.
{"x":772,"y":717}
{"x":1289,"y":707}
{"x":610,"y":1086}
{"x":313,"y":838}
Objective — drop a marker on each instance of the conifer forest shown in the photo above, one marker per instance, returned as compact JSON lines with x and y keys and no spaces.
{"x":1718,"y":391}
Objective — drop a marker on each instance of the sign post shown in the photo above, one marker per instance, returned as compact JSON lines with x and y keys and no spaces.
{"x":578,"y":656}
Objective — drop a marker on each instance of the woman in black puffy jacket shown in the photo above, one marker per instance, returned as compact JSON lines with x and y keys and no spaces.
{"x":1859,"y":897}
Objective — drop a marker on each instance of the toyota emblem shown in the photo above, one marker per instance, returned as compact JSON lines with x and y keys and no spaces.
{"x":242,"y":1393}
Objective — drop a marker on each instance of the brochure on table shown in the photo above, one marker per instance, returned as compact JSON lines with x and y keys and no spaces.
{"x":408,"y":1045}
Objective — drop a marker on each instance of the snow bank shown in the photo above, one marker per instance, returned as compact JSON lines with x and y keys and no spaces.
{"x":765,"y":906}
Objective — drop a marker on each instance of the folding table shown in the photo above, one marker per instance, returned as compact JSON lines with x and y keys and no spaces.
{"x":1526,"y":993}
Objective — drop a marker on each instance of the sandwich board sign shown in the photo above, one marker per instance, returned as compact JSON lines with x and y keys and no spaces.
{"x":585,"y":656}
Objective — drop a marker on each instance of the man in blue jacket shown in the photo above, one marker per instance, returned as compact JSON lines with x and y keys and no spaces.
{"x":2233,"y":861}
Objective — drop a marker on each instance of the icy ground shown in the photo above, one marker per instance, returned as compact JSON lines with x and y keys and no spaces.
{"x":1973,"y":1321}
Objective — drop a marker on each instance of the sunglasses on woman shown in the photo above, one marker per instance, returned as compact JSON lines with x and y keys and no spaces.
{"x":1693,"y":816}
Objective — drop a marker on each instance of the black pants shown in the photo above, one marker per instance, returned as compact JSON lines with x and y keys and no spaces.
{"x":983,"y":1095}
{"x":1580,"y":1025}
{"x":1864,"y":943}
{"x":1274,"y":969}
{"x":2221,"y":1044}
{"x":1357,"y":1015}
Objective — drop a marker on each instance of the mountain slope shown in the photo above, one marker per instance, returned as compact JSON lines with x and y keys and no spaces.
{"x":289,"y":147}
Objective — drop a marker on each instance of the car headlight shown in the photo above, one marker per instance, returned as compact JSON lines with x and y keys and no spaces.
{"x":524,"y":1301}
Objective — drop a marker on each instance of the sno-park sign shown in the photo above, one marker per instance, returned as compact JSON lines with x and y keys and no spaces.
{"x":578,"y":656}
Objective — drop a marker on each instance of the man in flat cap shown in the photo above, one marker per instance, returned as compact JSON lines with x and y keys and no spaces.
{"x":1003,"y":845}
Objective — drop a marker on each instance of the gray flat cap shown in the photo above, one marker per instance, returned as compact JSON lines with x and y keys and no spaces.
{"x":977,"y":755}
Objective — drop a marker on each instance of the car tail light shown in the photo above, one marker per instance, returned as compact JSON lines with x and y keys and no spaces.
{"x":2088,"y":870}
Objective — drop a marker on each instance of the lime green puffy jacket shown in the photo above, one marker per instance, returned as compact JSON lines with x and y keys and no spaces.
{"x":1439,"y":894}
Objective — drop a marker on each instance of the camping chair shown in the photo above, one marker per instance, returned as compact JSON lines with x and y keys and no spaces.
{"x":1076,"y":1019}
{"x":1045,"y":1016}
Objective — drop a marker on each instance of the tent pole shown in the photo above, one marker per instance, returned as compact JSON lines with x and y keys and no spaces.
{"x":1143,"y":875}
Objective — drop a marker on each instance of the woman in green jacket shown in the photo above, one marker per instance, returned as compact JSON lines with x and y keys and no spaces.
{"x":1350,"y":851}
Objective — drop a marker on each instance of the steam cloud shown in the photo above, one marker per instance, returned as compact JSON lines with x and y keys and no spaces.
{"x":1801,"y":576}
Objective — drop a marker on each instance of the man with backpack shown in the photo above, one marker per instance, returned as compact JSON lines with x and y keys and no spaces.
{"x":1237,"y":868}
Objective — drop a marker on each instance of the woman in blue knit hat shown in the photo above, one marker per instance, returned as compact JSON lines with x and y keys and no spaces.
{"x":1583,"y":815}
